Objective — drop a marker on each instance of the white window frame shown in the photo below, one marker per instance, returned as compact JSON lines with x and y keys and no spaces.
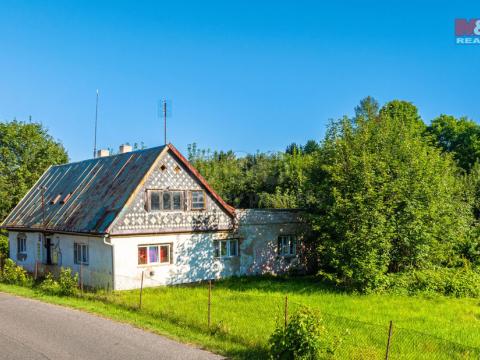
{"x":81,"y":254}
{"x":158,"y":246}
{"x":204,"y":203}
{"x":21,"y":246}
{"x":226,"y":244}
{"x":287,"y":245}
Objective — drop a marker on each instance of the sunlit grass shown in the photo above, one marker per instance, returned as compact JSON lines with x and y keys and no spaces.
{"x":244,"y":312}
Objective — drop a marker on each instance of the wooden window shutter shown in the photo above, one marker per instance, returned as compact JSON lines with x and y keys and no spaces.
{"x":171,"y":253}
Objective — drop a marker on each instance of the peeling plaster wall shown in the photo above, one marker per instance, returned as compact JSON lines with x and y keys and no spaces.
{"x":136,"y":219}
{"x":258,"y":230}
{"x":98,"y":272}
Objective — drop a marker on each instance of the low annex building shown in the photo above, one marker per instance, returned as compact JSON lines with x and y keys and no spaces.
{"x":150,"y":212}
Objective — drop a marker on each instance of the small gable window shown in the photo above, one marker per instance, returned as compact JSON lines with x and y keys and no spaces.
{"x":198,"y":200}
{"x":21,"y":246}
{"x":165,"y":200}
{"x":287,"y":245}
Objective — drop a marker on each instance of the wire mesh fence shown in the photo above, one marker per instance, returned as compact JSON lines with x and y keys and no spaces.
{"x":250,"y":317}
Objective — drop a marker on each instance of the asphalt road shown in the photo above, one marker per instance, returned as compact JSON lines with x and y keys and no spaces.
{"x":30,"y":329}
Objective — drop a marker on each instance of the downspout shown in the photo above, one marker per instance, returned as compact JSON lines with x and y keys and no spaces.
{"x":109,"y":243}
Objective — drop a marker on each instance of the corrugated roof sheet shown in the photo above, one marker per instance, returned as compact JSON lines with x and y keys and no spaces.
{"x":97,"y":190}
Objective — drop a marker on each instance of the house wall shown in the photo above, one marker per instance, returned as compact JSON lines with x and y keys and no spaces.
{"x":259,"y":230}
{"x":170,"y":174}
{"x":193,"y":260}
{"x":98,"y":272}
{"x":193,"y":253}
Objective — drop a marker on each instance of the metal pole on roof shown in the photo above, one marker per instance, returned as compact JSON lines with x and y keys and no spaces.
{"x":165,"y":120}
{"x":96,"y":120}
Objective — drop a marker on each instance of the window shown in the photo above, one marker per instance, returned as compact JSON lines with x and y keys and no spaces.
{"x":154,"y":254}
{"x":165,"y":200}
{"x":154,"y":200}
{"x":287,"y":245}
{"x":226,"y":248}
{"x":198,"y":200}
{"x":21,"y":246}
{"x":80,"y":253}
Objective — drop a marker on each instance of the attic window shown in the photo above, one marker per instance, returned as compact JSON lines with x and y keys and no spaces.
{"x":163,"y":167}
{"x":55,"y":199}
{"x":177,"y":169}
{"x":66,"y":198}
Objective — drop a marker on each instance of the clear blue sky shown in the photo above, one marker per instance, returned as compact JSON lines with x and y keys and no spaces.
{"x":243,"y":75}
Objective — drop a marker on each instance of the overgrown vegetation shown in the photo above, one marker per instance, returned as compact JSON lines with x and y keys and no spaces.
{"x":65,"y":285}
{"x":304,"y":338}
{"x":13,"y":274}
{"x":385,"y":195}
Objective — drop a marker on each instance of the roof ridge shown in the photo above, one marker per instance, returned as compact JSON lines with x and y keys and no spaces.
{"x":110,"y":156}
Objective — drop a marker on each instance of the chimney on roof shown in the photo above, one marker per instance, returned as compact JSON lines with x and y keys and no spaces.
{"x":103,"y":153}
{"x":125,"y":148}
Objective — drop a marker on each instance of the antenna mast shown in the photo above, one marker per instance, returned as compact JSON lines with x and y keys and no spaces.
{"x":165,"y":120}
{"x":96,"y":119}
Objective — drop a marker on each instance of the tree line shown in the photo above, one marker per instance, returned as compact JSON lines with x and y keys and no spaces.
{"x":384,"y":193}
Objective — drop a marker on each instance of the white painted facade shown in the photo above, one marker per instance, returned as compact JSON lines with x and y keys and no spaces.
{"x":113,"y":261}
{"x":98,"y":271}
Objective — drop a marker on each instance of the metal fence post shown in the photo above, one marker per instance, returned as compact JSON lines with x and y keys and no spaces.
{"x":81,"y":278}
{"x":389,"y":339}
{"x":209,"y":301}
{"x":141,"y":291}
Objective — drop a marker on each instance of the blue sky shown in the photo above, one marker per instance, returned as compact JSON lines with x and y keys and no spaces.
{"x":243,"y":75}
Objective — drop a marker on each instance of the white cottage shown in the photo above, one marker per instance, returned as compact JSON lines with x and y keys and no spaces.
{"x":149,"y":213}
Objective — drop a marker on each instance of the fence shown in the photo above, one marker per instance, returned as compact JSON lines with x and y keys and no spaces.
{"x":249,"y":318}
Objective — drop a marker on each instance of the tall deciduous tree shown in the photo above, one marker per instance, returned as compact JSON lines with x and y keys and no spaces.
{"x":389,"y":201}
{"x":26,"y":151}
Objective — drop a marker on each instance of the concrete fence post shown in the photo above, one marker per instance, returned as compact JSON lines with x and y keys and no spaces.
{"x":209,"y":302}
{"x":141,"y":291}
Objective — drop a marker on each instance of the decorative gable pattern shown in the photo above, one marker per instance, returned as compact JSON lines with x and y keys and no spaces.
{"x":171,"y":174}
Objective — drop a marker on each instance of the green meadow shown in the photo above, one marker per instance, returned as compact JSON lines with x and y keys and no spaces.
{"x":245,"y":311}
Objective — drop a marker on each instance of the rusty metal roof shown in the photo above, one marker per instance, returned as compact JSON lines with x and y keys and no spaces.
{"x":82,"y":197}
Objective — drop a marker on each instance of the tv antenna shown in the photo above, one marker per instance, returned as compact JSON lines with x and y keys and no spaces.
{"x":164,"y":110}
{"x":96,"y":120}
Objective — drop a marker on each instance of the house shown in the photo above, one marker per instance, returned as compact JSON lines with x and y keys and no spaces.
{"x":145,"y":214}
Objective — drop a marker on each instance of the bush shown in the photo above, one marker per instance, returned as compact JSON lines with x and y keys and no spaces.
{"x":14,"y":274}
{"x":49,"y":285}
{"x":66,"y":285}
{"x":458,"y":282}
{"x":303,"y":338}
{"x":3,"y":246}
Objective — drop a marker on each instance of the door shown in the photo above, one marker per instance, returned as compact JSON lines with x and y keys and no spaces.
{"x":48,"y":247}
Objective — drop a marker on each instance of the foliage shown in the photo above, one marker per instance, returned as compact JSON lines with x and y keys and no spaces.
{"x":257,"y":180}
{"x":460,"y":137}
{"x":14,"y":274}
{"x":302,"y":338}
{"x":26,"y":151}
{"x":66,"y":285}
{"x":458,"y":282}
{"x":4,"y":251}
{"x":389,"y":201}
{"x":49,"y":285}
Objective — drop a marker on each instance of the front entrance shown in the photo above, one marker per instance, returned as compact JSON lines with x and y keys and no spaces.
{"x":48,"y":252}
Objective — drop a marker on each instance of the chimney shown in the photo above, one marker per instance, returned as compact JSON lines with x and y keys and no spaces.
{"x":125,"y":148}
{"x":103,"y":153}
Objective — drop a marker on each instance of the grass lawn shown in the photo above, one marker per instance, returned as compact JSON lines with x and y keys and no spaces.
{"x":244,"y":312}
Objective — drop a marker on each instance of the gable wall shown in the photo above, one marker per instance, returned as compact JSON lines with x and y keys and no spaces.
{"x":135,"y":219}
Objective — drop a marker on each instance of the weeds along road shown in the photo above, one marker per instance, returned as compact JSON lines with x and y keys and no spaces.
{"x":30,"y":329}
